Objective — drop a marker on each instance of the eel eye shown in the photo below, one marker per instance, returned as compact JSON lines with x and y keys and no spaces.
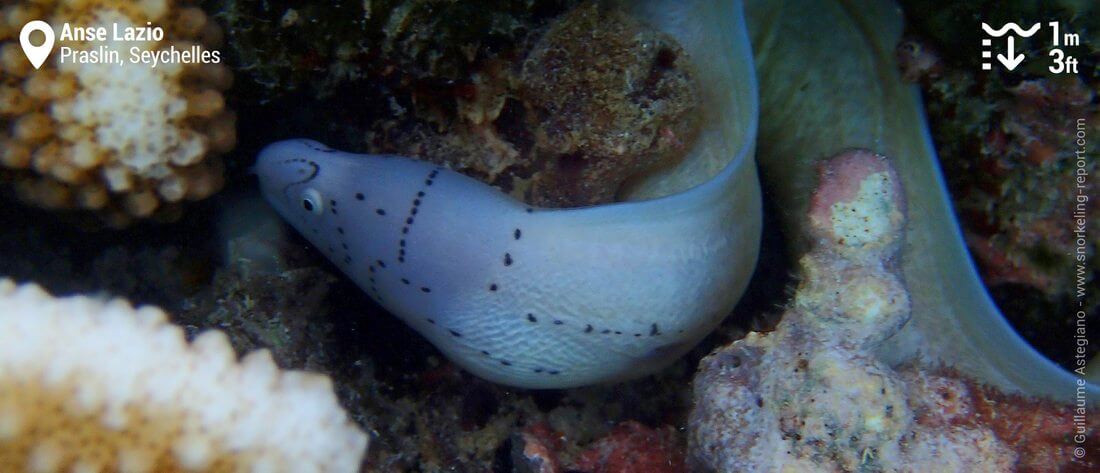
{"x":312,"y":202}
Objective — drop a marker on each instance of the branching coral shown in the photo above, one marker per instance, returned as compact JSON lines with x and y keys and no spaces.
{"x":811,"y":396}
{"x":120,"y":139}
{"x":89,"y":385}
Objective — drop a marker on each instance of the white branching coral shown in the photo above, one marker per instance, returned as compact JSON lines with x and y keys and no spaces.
{"x":90,"y":385}
{"x":122,"y":139}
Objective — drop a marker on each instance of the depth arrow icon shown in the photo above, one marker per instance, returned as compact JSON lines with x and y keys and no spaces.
{"x":1012,"y":59}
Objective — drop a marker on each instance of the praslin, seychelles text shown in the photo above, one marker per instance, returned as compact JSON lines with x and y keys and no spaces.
{"x":91,"y":53}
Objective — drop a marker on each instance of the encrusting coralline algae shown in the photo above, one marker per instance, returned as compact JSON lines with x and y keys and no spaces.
{"x":811,"y":396}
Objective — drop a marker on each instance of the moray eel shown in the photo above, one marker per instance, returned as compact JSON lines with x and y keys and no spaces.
{"x":551,"y":298}
{"x":538,"y":298}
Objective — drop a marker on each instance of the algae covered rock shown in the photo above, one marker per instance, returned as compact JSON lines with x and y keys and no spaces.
{"x":608,"y":97}
{"x":812,"y":396}
{"x":587,"y":103}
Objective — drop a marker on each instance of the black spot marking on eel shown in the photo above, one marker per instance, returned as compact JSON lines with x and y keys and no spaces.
{"x":517,"y":234}
{"x":654,"y":331}
{"x":380,"y":211}
{"x":316,"y":169}
{"x":506,"y":362}
{"x":493,"y":287}
{"x":405,"y":281}
{"x":588,"y":328}
{"x":507,"y":259}
{"x":558,"y":322}
{"x":360,"y":196}
{"x":455,"y":333}
{"x":415,"y":209}
{"x":323,"y":149}
{"x":531,"y":318}
{"x":425,"y":290}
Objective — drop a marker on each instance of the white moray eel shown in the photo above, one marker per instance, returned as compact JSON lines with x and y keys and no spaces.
{"x":818,"y":99}
{"x":550,"y":298}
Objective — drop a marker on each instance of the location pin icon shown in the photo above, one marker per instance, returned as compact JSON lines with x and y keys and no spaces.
{"x":37,"y":54}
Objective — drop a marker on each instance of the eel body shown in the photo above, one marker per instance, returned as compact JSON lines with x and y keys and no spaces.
{"x":538,"y":298}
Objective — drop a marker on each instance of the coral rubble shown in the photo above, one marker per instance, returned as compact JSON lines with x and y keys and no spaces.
{"x":630,"y":447}
{"x":91,"y":385}
{"x":811,"y":396}
{"x":122,"y":140}
{"x":633,"y":447}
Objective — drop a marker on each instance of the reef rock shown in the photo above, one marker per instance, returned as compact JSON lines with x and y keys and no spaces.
{"x":594,"y":100}
{"x":608,"y":98}
{"x":811,"y":396}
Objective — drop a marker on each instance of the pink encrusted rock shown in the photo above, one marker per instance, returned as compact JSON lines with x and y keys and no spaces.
{"x":812,"y":396}
{"x":859,"y":203}
{"x":633,"y":448}
{"x":538,"y":450}
{"x":630,"y":447}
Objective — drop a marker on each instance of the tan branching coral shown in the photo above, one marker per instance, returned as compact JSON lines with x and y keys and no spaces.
{"x":91,"y":385}
{"x":123,"y":139}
